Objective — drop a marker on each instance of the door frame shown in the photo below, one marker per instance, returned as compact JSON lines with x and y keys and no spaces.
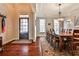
{"x":19,"y":25}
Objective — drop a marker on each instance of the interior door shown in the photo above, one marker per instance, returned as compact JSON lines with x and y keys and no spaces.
{"x":24,"y":28}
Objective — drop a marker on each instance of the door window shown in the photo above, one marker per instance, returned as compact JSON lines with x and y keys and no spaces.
{"x":24,"y":25}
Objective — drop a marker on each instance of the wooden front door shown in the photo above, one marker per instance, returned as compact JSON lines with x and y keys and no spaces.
{"x":24,"y":28}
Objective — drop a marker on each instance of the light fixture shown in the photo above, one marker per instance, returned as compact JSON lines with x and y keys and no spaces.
{"x":59,"y":13}
{"x":59,"y":10}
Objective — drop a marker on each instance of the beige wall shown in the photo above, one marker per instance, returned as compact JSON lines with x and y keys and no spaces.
{"x":7,"y":36}
{"x":0,"y":24}
{"x":10,"y":15}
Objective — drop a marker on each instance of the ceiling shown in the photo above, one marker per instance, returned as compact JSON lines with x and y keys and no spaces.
{"x":52,"y":9}
{"x":18,"y":7}
{"x":47,"y":10}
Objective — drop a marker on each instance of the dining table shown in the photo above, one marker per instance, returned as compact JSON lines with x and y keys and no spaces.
{"x":63,"y":35}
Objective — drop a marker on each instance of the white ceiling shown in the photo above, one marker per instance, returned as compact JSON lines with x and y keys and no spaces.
{"x":47,"y":9}
{"x":52,"y":9}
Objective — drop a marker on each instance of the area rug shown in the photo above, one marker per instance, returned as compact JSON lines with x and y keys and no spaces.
{"x":48,"y":50}
{"x":22,"y":41}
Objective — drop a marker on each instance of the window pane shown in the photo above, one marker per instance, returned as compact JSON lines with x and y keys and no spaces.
{"x":24,"y":24}
{"x":42,"y":25}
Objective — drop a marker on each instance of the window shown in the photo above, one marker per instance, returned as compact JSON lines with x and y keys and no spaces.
{"x":56,"y":26}
{"x":42,"y":25}
{"x":24,"y":25}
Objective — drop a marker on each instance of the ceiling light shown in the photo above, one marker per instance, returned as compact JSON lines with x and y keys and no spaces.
{"x":60,"y":18}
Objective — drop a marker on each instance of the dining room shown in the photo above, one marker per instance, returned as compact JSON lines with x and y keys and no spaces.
{"x":64,"y":37}
{"x":62,"y":33}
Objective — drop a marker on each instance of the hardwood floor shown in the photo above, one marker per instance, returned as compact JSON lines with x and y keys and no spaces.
{"x":32,"y":49}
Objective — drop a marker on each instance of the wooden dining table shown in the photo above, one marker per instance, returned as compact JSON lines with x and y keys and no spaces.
{"x":63,"y":35}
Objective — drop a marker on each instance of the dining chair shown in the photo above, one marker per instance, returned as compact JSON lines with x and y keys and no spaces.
{"x":75,"y":41}
{"x":55,"y":40}
{"x":67,"y":40}
{"x":47,"y":36}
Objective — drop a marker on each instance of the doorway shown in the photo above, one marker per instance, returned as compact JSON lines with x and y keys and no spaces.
{"x":23,"y":28}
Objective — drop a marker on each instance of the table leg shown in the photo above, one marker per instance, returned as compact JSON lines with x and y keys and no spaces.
{"x":60,"y":43}
{"x":54,"y":43}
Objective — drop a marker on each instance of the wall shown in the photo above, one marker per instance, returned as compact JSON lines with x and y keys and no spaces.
{"x":8,"y":12}
{"x":3,"y":12}
{"x":48,"y":27}
{"x":0,"y":24}
{"x":10,"y":15}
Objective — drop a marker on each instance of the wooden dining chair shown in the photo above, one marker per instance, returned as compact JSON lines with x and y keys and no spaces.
{"x":75,"y":41}
{"x":55,"y":40}
{"x":47,"y":36}
{"x":68,"y":40}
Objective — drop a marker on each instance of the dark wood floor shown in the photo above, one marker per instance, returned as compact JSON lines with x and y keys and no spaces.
{"x":32,"y":49}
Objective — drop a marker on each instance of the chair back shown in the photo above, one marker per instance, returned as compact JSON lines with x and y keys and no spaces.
{"x":76,"y":35}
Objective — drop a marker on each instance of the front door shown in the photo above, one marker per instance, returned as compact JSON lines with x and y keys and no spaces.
{"x":23,"y":28}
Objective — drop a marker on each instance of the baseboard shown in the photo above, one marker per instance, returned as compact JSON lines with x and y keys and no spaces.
{"x":34,"y":40}
{"x":8,"y":42}
{"x":4,"y":43}
{"x":16,"y":38}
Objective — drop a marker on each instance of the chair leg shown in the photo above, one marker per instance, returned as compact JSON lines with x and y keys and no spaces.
{"x":54,"y":44}
{"x":73,"y":49}
{"x":70,"y":48}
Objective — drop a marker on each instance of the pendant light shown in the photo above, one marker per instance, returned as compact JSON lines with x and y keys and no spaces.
{"x":59,"y":13}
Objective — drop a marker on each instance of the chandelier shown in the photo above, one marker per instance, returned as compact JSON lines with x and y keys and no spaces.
{"x":59,"y":13}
